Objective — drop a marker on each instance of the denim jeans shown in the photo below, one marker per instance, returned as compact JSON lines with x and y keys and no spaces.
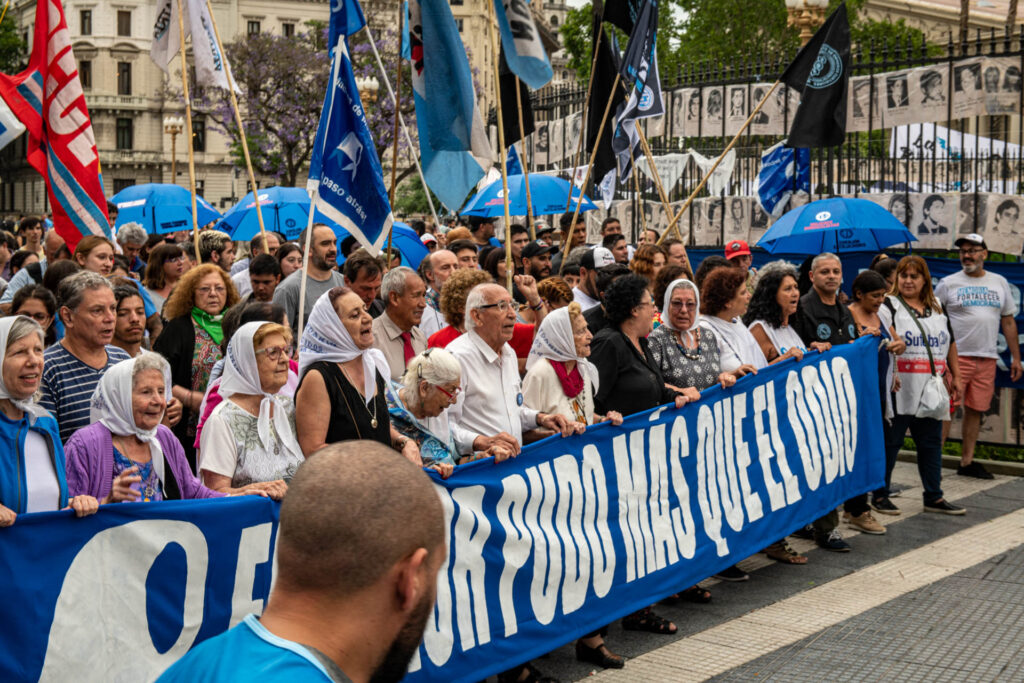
{"x":927,"y":435}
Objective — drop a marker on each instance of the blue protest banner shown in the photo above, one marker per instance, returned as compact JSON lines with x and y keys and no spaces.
{"x":123,"y":594}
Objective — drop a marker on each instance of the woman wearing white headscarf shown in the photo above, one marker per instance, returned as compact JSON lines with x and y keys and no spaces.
{"x":341,"y":394}
{"x":249,"y":437}
{"x":32,"y":467}
{"x":686,"y":353}
{"x":559,"y":378}
{"x":126,"y":454}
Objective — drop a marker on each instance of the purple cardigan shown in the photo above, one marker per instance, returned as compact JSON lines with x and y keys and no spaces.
{"x":90,"y":463}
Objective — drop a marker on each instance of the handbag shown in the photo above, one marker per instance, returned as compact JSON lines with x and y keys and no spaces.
{"x":934,"y":401}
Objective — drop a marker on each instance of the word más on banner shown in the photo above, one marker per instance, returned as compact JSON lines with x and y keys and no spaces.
{"x":123,"y":594}
{"x":577,"y":532}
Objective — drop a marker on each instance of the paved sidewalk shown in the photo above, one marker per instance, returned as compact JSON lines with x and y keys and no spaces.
{"x":936,"y":598}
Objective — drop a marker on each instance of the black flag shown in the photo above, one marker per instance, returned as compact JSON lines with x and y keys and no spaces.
{"x":509,"y":107}
{"x":621,"y":13}
{"x":604,"y":76}
{"x":820,"y":73}
{"x":640,"y":74}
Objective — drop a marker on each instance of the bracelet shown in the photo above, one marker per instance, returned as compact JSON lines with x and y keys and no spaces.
{"x":400,"y":445}
{"x":537,"y":307}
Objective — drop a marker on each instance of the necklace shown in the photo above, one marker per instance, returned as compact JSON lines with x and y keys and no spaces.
{"x":373,"y":415}
{"x":693,"y":354}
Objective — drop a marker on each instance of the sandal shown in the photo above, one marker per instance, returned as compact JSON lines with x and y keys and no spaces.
{"x":647,"y":620}
{"x":600,"y":655}
{"x":781,"y":551}
{"x":696,"y":594}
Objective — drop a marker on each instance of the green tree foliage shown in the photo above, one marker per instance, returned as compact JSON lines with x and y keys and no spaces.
{"x":13,"y":50}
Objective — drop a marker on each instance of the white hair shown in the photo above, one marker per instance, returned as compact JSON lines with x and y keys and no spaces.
{"x":394,"y":281}
{"x":149,"y":360}
{"x":826,"y":256}
{"x":22,"y":327}
{"x":132,"y":233}
{"x":434,"y":366}
{"x":477,"y":298}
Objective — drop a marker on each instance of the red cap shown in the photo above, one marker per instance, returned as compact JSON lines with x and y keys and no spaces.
{"x":736,"y":248}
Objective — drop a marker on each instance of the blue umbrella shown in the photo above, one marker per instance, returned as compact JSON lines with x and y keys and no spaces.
{"x":547,"y":195}
{"x":404,"y":239}
{"x":837,"y":225}
{"x":161,"y":208}
{"x":285,"y":210}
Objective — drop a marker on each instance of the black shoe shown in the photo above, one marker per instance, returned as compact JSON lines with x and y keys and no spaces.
{"x":975,"y":469}
{"x":533,"y":675}
{"x":600,"y":655}
{"x":806,"y":533}
{"x":833,"y":542}
{"x":732,"y":573}
{"x":884,"y":506}
{"x":944,"y":507}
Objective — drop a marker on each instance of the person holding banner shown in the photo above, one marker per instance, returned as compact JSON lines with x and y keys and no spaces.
{"x":921,"y":403}
{"x":32,"y":466}
{"x":774,"y":302}
{"x":724,"y":298}
{"x":342,"y":379}
{"x":250,"y":436}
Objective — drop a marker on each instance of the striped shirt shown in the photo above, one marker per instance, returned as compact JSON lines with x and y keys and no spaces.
{"x":68,"y":384}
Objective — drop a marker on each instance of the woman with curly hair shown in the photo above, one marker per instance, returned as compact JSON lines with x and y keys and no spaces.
{"x":191,"y":341}
{"x":724,"y":298}
{"x":773,"y":303}
{"x":648,"y":260}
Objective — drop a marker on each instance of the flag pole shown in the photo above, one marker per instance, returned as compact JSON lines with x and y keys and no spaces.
{"x":394,"y":130}
{"x":502,"y":152}
{"x":583,"y":120}
{"x":586,"y":177}
{"x":526,"y":166}
{"x":188,"y":128}
{"x":305,"y":259}
{"x":707,"y":176}
{"x":636,"y":188}
{"x":238,"y":122}
{"x":401,"y":120}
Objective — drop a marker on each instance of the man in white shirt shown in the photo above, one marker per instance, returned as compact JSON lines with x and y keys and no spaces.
{"x":585,"y":293}
{"x":979,"y":305}
{"x":440,"y":265}
{"x":240,"y":268}
{"x":492,"y":402}
{"x":394,"y":331}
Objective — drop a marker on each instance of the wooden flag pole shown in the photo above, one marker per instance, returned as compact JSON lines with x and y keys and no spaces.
{"x":502,"y":153}
{"x":238,"y":122}
{"x":583,"y":121}
{"x":522,"y":162}
{"x":586,"y":177}
{"x":394,"y":130}
{"x":707,"y":176}
{"x":636,"y":188}
{"x":188,"y":128}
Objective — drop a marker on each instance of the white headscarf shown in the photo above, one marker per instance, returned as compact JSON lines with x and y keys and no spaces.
{"x":554,"y":341}
{"x":666,"y":319}
{"x":326,"y":338}
{"x":112,"y":406}
{"x":242,"y":376}
{"x":31,"y":408}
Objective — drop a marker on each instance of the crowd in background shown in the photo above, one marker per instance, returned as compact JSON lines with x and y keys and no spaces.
{"x":157,"y":368}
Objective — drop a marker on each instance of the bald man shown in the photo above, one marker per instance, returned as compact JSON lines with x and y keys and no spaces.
{"x":356,"y":577}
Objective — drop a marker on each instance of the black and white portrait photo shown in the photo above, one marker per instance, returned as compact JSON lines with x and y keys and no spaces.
{"x":897,"y":92}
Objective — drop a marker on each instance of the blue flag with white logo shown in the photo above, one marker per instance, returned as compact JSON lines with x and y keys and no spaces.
{"x":784,"y":170}
{"x":524,"y":51}
{"x":345,"y":170}
{"x":639,"y":70}
{"x":346,"y":18}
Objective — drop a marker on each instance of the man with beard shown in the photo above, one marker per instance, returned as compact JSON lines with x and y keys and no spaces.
{"x":535,"y":260}
{"x":321,"y":277}
{"x":356,"y":577}
{"x":980,"y":305}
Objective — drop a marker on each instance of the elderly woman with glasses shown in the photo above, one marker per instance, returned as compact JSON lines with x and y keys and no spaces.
{"x":249,"y":438}
{"x":191,"y":341}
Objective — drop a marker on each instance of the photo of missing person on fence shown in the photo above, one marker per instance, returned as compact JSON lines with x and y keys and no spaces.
{"x":541,"y":145}
{"x":1002,"y":79}
{"x":965,"y":214}
{"x":556,"y":131}
{"x":968,"y":90}
{"x":737,"y":224}
{"x":714,"y":113}
{"x":705,"y":233}
{"x":897,"y":91}
{"x":678,"y":111}
{"x":1003,"y":230}
{"x":860,"y":105}
{"x":692,"y":112}
{"x":932,"y":215}
{"x":572,"y":137}
{"x":758,"y":221}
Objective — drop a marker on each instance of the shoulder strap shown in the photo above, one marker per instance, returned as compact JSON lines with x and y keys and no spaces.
{"x":924,"y":335}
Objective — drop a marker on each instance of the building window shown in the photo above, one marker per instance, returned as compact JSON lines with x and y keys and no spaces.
{"x":124,"y":22}
{"x":554,"y":24}
{"x":85,"y":22}
{"x":458,"y":23}
{"x":85,"y":74}
{"x":125,"y":134}
{"x":122,"y":184}
{"x":201,"y":188}
{"x":124,"y":78}
{"x":288,"y":30}
{"x":252,"y":28}
{"x":198,"y":134}
{"x":457,"y":2}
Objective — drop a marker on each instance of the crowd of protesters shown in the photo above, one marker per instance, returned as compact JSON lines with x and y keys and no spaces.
{"x":158,"y":368}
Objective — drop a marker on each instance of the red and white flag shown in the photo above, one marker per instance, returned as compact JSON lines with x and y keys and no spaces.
{"x":47,"y":98}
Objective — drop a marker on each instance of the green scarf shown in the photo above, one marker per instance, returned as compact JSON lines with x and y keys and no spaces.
{"x":210,"y":323}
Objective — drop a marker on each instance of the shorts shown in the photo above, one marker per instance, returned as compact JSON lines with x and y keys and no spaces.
{"x":977,"y":382}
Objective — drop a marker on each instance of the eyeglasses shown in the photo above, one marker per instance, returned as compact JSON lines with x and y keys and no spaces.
{"x":207,"y":291}
{"x":503,"y":306}
{"x":274,"y":352}
{"x":451,"y":395}
{"x":176,"y":259}
{"x":972,"y":251}
{"x":682,"y":305}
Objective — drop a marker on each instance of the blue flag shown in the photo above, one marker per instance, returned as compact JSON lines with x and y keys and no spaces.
{"x":454,"y":149}
{"x":520,"y":39}
{"x":406,"y":49}
{"x":639,"y":70}
{"x":346,"y":18}
{"x":512,"y":164}
{"x":345,"y":170}
{"x":784,"y":170}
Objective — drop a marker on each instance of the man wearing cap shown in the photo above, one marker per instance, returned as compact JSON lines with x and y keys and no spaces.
{"x":429,"y":241}
{"x":585,"y":293}
{"x":483,"y":232}
{"x":979,"y":305}
{"x":738,"y":253}
{"x":534,"y":260}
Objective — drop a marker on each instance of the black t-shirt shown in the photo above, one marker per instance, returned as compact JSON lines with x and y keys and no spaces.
{"x":816,"y":321}
{"x":595,"y":319}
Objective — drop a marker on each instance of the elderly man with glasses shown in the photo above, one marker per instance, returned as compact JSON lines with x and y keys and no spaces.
{"x":979,"y":305}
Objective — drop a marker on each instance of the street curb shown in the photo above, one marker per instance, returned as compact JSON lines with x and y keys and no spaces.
{"x":1013,"y":469}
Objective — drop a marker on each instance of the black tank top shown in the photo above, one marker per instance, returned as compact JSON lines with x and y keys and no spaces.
{"x":351,"y":417}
